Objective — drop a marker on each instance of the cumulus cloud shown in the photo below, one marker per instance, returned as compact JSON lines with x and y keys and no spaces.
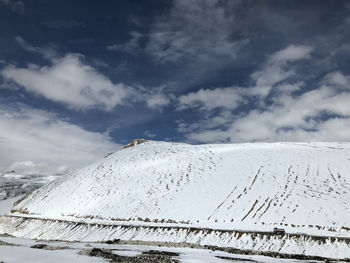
{"x":70,"y":81}
{"x":315,"y":115}
{"x":67,"y":79}
{"x":43,"y":142}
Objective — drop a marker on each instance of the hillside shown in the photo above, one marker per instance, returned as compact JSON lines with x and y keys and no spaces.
{"x":301,"y":187}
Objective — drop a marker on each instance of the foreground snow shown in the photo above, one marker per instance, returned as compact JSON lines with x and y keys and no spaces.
{"x":17,"y":250}
{"x":30,"y":255}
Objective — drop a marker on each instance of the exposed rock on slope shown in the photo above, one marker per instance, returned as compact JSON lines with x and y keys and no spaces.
{"x":135,"y":142}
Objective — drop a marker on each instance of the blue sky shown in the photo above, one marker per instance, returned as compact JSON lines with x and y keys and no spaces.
{"x":78,"y":79}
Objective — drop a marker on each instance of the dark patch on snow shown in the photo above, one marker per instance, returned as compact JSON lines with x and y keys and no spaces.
{"x":236,"y":259}
{"x":48,"y":247}
{"x":151,"y":256}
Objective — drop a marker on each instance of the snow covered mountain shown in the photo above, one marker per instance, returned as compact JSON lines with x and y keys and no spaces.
{"x":236,"y":186}
{"x":301,"y":187}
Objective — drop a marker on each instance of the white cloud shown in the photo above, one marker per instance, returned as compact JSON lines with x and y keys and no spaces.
{"x":208,"y":99}
{"x":289,"y":87}
{"x":41,"y":141}
{"x":276,"y":69}
{"x":290,"y":118}
{"x":337,"y":78}
{"x":156,"y":98}
{"x":70,"y":81}
{"x":157,"y":101}
{"x":267,"y":77}
{"x":291,"y":53}
{"x":78,"y":85}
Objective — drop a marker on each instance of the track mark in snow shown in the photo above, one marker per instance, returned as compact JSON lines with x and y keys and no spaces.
{"x":330,"y":172}
{"x":256,"y":176}
{"x":227,"y":197}
{"x":246,"y":189}
{"x":251,"y":209}
{"x":268,"y":206}
{"x":261,"y":207}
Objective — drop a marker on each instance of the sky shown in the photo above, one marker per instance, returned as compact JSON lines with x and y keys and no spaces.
{"x":80,"y":79}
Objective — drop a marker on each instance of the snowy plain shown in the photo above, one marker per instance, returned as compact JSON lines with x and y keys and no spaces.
{"x":18,"y":250}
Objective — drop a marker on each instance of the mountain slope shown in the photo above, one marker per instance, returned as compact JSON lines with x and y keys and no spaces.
{"x":301,"y":186}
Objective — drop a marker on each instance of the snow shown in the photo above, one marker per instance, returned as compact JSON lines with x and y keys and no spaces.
{"x":69,"y":231}
{"x":31,"y":255}
{"x":301,"y":187}
{"x":208,"y":185}
{"x":19,"y":250}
